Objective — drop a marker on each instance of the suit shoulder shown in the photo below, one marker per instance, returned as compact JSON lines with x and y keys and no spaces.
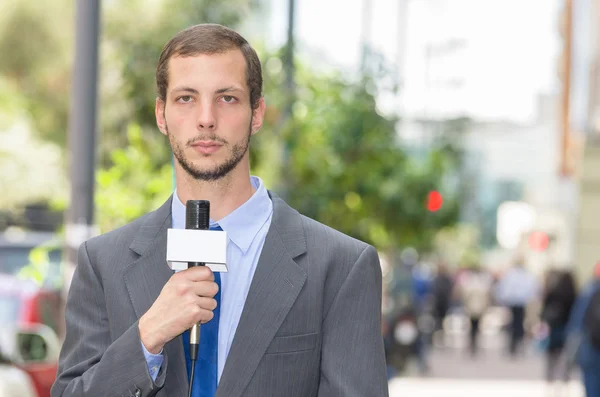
{"x":120,"y":235}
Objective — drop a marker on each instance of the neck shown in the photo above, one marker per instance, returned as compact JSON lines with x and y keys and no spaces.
{"x":225,"y":195}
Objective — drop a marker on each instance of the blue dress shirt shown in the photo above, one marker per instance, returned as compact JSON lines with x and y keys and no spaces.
{"x":246,"y":228}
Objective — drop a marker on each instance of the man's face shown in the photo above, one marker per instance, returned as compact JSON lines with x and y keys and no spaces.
{"x":207,"y":114}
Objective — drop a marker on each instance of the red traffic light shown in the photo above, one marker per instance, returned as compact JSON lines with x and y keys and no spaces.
{"x":538,"y":241}
{"x":434,"y":201}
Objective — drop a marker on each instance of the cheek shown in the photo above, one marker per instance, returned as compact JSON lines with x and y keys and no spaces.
{"x":178,"y":120}
{"x":237,"y":120}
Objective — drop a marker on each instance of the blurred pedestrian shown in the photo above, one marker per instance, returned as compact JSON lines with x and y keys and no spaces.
{"x":442,"y":295}
{"x":515,"y":290}
{"x":584,"y":334}
{"x":421,"y":303}
{"x":473,"y":288}
{"x":558,"y":299}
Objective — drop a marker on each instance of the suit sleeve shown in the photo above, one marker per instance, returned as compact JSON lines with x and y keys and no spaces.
{"x":90,"y":363}
{"x":353,"y":358}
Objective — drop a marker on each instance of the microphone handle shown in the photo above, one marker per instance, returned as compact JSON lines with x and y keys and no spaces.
{"x":195,"y":330}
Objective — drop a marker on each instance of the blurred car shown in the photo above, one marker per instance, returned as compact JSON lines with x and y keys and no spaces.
{"x":19,"y":248}
{"x":31,"y":298}
{"x":30,"y":278}
{"x":29,"y":360}
{"x":24,"y":302}
{"x":14,"y":381}
{"x":27,"y":305}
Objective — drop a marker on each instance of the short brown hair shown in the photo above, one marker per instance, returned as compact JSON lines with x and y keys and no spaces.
{"x":209,"y":39}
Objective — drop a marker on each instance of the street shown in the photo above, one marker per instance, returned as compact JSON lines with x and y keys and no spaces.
{"x":475,"y":387}
{"x":492,"y":373}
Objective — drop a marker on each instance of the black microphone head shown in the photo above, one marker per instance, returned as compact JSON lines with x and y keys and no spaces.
{"x":197,"y":214}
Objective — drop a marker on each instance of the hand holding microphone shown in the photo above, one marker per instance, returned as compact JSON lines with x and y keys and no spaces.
{"x":187,"y":299}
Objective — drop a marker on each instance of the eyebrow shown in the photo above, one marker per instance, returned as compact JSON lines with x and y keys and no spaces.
{"x":228,"y":89}
{"x":219,"y":91}
{"x":186,"y":89}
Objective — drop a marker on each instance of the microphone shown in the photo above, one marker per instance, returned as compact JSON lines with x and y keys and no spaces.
{"x":197,"y":217}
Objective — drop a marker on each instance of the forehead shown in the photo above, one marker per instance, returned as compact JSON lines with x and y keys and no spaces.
{"x":206,"y":71}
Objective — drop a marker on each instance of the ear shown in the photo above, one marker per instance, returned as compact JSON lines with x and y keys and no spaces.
{"x":258,"y":116}
{"x":159,"y":111}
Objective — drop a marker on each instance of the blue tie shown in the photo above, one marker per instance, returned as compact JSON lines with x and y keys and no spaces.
{"x":206,"y":372}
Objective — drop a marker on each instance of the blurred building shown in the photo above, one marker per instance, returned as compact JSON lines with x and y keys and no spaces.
{"x":497,"y":65}
{"x":584,"y":123}
{"x":464,"y":61}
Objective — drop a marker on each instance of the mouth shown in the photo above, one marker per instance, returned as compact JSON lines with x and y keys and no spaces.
{"x":206,"y":147}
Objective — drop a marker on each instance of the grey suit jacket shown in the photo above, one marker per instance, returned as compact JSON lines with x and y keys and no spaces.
{"x":311,"y":324}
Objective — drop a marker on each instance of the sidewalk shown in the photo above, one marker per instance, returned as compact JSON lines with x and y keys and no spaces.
{"x":407,"y":387}
{"x":492,"y":373}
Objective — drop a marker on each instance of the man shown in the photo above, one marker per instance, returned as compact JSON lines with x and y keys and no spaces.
{"x":559,"y":294}
{"x":516,"y":290}
{"x":299,"y":310}
{"x":583,"y":344}
{"x":473,"y":288}
{"x":443,"y":284}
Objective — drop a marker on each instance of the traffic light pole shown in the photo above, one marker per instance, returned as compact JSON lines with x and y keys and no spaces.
{"x":82,"y":132}
{"x":565,"y":168}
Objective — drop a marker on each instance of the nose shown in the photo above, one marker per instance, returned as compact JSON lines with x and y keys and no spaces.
{"x":206,"y":118}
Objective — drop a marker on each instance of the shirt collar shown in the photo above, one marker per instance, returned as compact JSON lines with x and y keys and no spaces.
{"x":243,"y":224}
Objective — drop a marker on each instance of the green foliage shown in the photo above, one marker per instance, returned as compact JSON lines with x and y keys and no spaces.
{"x":134,"y":184}
{"x":337,"y":158}
{"x":37,"y":37}
{"x":343,"y":165}
{"x":40,"y":269}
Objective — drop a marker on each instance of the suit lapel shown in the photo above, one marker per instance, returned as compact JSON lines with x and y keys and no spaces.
{"x":274,"y":289}
{"x":145,"y":278}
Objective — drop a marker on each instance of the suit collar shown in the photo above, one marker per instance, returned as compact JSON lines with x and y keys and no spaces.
{"x":151,"y":228}
{"x":286,"y":219}
{"x":288,"y":223}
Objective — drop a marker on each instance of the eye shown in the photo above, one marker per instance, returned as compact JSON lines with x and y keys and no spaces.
{"x":185,"y":99}
{"x":228,"y":99}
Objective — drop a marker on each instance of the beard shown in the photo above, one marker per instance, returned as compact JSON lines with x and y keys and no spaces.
{"x":219,"y":171}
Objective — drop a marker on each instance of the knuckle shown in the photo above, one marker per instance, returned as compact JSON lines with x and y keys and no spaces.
{"x":208,"y":315}
{"x":181,"y":289}
{"x":196,"y":311}
{"x":214,"y":289}
{"x":175,"y":278}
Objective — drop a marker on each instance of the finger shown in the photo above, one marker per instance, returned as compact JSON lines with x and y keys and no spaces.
{"x":206,"y":289}
{"x":201,"y":315}
{"x":197,"y":273}
{"x":206,"y":303}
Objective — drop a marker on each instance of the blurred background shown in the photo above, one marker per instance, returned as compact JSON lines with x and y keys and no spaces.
{"x":460,"y":137}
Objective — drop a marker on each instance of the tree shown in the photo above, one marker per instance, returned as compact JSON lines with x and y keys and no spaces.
{"x":134,"y":183}
{"x":36,"y":39}
{"x":338,"y":154}
{"x":346,"y":166}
